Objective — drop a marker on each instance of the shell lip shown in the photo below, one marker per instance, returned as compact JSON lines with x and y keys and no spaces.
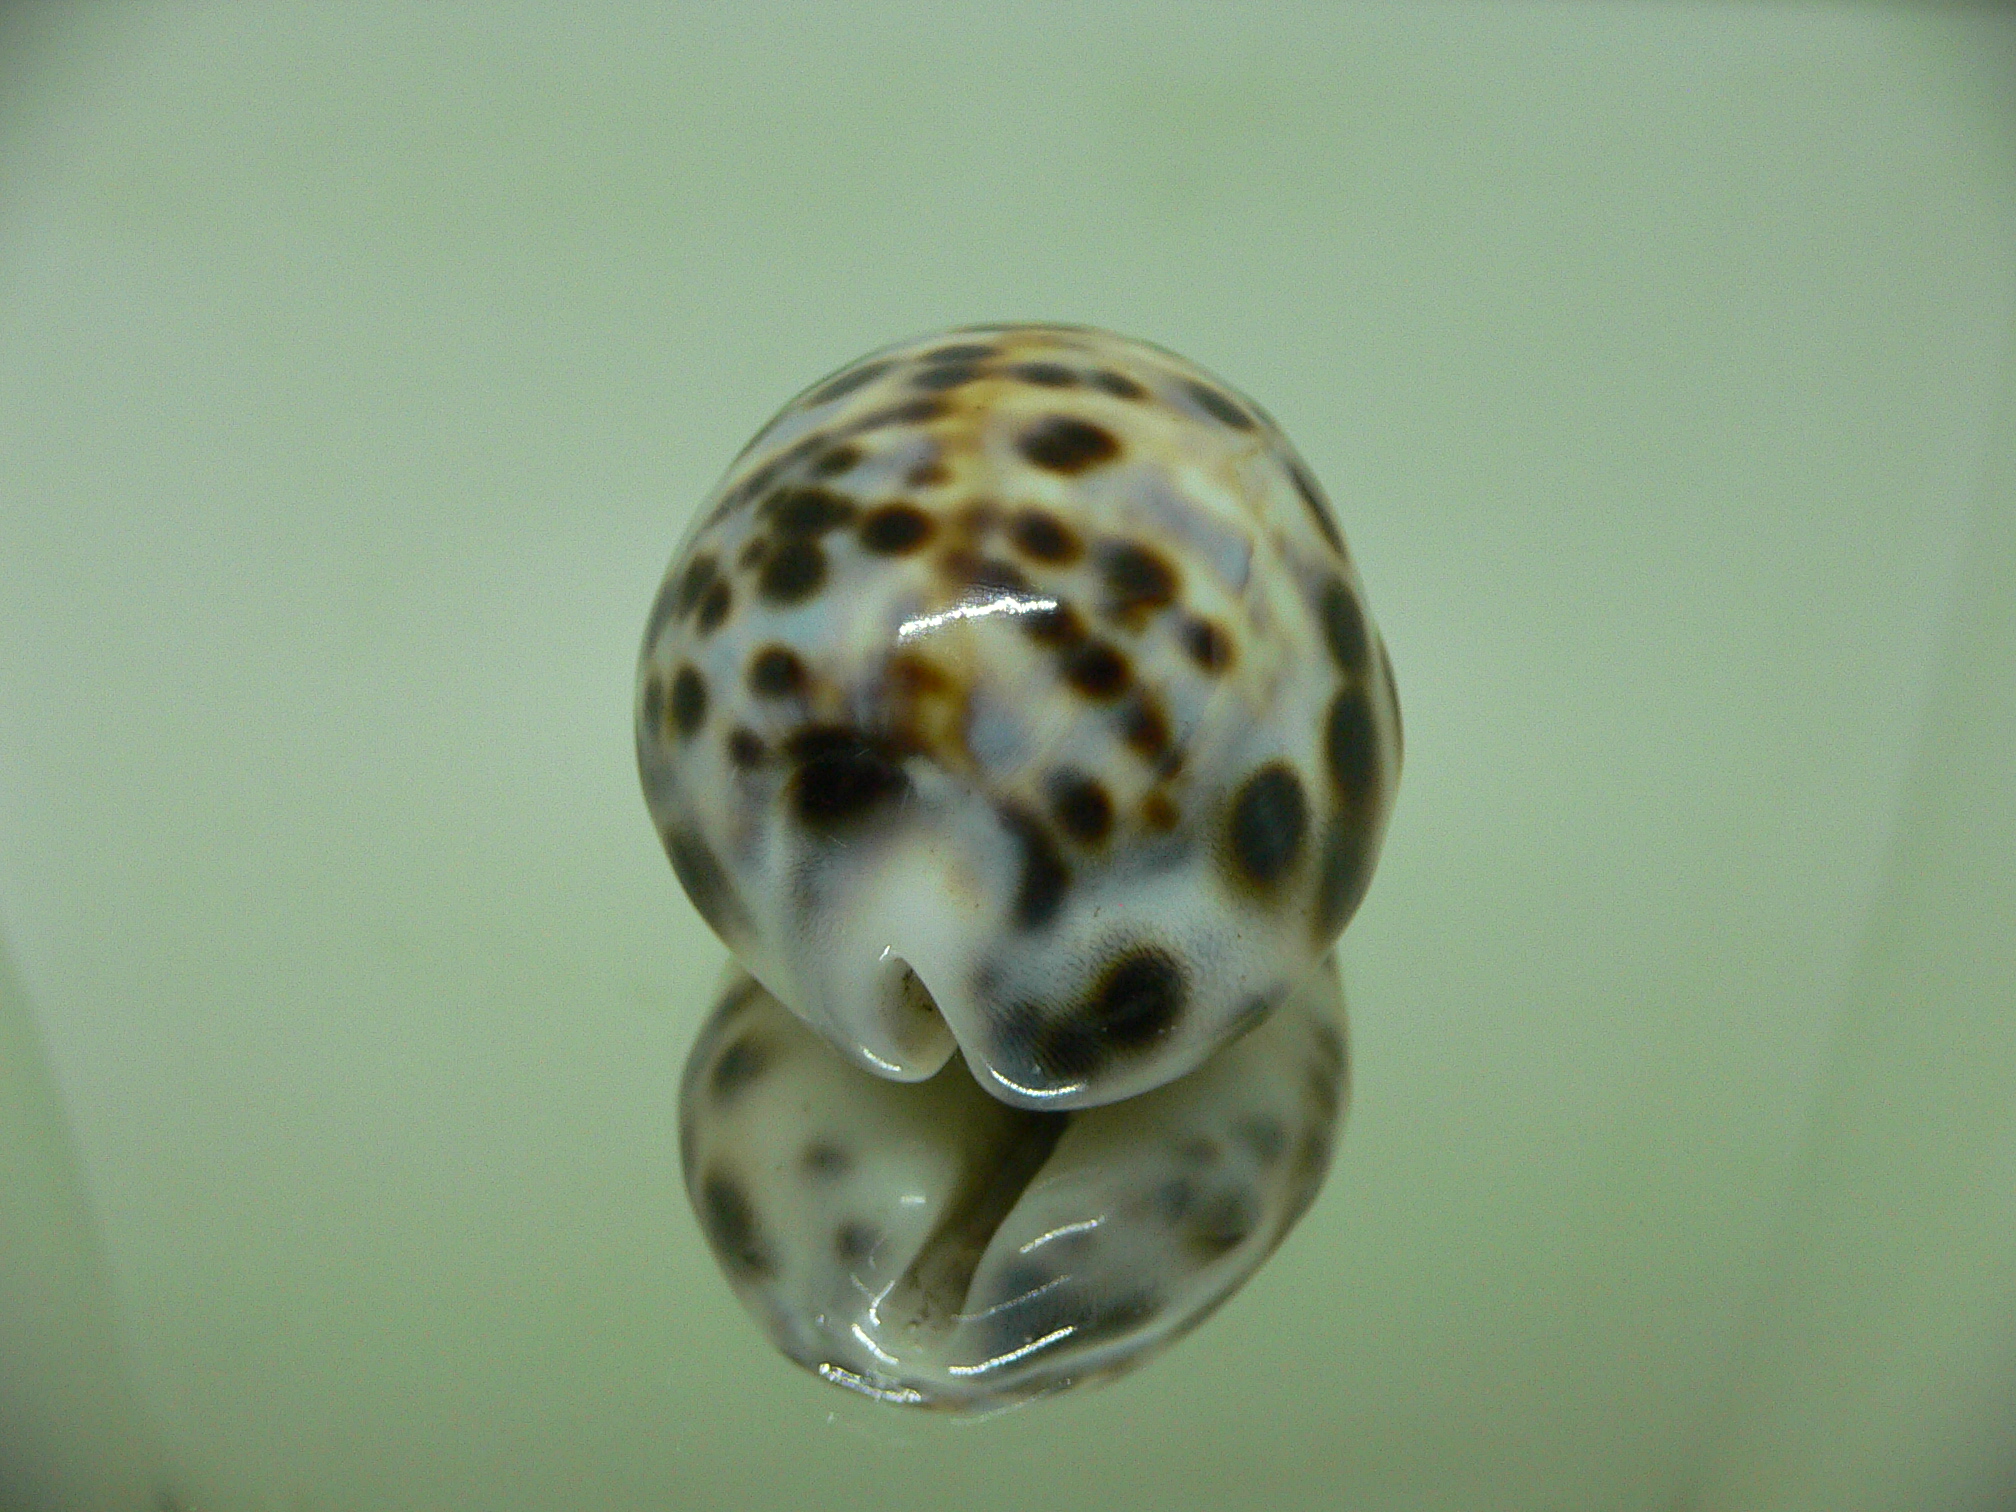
{"x":1011,"y":1091}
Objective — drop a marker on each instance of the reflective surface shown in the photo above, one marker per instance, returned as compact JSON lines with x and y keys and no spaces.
{"x":359,"y":370}
{"x":924,"y":1244}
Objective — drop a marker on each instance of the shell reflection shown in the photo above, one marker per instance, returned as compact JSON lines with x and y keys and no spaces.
{"x":925,"y":1243}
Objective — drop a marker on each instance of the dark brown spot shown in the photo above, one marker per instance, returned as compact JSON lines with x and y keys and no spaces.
{"x":695,"y":580}
{"x":1220,"y":1225}
{"x":970,"y":569}
{"x":1080,"y":806}
{"x":1316,"y":504}
{"x":946,"y":375}
{"x":1218,"y":406}
{"x":1139,"y":997}
{"x":1270,"y":819}
{"x":840,"y":459}
{"x":1346,"y":873}
{"x":1117,"y":384}
{"x":1173,"y":1200}
{"x":746,"y":748}
{"x":1138,"y":580}
{"x":705,"y":882}
{"x":1063,"y":444}
{"x":1135,"y":1003}
{"x":911,"y":676}
{"x":1263,"y":1138}
{"x":758,"y":482}
{"x":1096,"y":670}
{"x":796,"y":455}
{"x":1344,"y":627}
{"x":689,"y":701}
{"x":753,"y":553}
{"x":845,"y":382}
{"x":854,"y":1242}
{"x":1044,"y":374}
{"x":1058,"y":627}
{"x":1045,"y":878}
{"x":733,"y":500}
{"x":928,"y":474}
{"x":1159,"y":813}
{"x":910,"y":412}
{"x":1039,"y":534}
{"x":1064,"y":1049}
{"x":1145,"y":727}
{"x":714,"y":606}
{"x":895,"y":529}
{"x":795,"y":572}
{"x":745,"y":1059}
{"x":961,"y":351}
{"x":1351,"y":748}
{"x":807,"y":511}
{"x":823,"y":1161}
{"x":731,"y":1228}
{"x":843,"y":778}
{"x":1208,"y":645}
{"x":776,"y":672}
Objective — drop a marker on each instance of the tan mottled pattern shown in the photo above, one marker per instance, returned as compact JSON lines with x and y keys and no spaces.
{"x":928,"y":1245}
{"x":1014,"y":689}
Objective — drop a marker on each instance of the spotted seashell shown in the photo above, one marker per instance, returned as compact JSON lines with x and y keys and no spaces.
{"x":928,"y":1244}
{"x":1015,"y":692}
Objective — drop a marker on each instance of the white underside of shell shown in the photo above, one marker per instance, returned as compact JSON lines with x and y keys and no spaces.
{"x":927,"y":1244}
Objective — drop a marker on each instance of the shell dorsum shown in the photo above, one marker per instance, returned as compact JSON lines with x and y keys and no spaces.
{"x":1014,"y":692}
{"x":926,"y":1244}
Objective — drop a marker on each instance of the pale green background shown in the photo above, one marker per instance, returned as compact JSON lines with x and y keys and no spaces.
{"x":359,"y":367}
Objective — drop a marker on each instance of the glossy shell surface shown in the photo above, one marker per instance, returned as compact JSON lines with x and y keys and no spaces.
{"x":1014,"y":692}
{"x":929,"y":1245}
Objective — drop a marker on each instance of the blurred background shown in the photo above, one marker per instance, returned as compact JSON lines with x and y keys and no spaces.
{"x":359,"y":368}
